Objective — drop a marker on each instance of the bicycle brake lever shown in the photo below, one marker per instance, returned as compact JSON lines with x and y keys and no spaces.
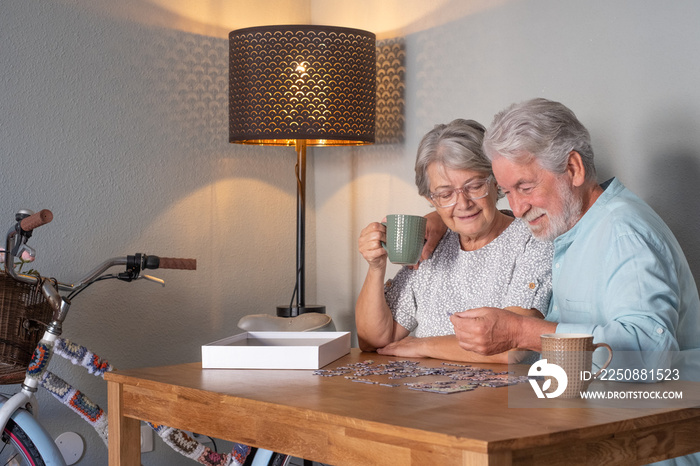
{"x":20,"y":243}
{"x":154,"y":279}
{"x":26,"y":253}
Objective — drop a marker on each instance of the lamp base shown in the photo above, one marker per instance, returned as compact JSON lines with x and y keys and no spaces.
{"x":293,"y":311}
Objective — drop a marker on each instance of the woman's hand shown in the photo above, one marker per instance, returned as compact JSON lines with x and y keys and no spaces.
{"x":443,"y":347}
{"x":408,"y":347}
{"x":370,"y":245}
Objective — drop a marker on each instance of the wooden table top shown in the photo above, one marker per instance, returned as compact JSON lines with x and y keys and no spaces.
{"x":479,"y":420}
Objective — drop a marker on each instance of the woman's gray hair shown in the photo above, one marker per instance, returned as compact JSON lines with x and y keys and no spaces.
{"x":456,"y":145}
{"x":543,"y":129}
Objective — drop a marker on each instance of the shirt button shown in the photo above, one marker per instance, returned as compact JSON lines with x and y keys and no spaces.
{"x":659,"y":330}
{"x":556,"y":265}
{"x":556,"y":308}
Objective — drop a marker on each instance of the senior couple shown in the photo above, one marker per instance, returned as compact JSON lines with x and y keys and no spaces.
{"x":573,"y":256}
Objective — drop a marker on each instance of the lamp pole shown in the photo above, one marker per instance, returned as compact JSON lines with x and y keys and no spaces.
{"x":301,"y":225}
{"x":301,"y":307}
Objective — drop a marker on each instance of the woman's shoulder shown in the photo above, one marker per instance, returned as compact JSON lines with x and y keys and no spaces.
{"x":519,"y":233}
{"x":446,"y":248}
{"x":517,"y":229}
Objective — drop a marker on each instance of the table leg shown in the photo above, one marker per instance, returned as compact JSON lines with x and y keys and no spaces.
{"x":124,"y":432}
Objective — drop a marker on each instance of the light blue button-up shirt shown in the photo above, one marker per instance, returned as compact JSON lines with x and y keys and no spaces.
{"x":620,"y":275}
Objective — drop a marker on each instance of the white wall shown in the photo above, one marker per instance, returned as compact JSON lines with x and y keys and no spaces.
{"x":113,"y":115}
{"x":629,"y":70}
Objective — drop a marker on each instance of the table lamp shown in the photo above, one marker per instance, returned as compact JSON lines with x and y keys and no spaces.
{"x":300,"y":85}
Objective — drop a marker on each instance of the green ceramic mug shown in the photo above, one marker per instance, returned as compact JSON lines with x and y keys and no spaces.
{"x":405,"y":235}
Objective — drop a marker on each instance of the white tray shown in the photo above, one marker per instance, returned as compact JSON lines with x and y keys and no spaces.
{"x":276,"y":350}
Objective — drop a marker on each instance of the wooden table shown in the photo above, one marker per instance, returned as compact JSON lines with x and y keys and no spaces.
{"x":335,"y":421}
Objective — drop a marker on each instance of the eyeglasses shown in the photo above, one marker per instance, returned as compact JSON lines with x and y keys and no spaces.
{"x":473,"y":190}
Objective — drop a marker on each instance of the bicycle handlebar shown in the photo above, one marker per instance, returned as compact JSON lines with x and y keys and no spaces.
{"x":36,"y":220}
{"x":177,"y":263}
{"x":16,"y":242}
{"x":19,"y":234}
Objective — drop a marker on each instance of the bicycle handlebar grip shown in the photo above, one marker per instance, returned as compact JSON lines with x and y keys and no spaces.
{"x":177,"y":263}
{"x":36,"y":220}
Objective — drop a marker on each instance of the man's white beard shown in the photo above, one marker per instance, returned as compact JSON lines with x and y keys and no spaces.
{"x":557,"y":224}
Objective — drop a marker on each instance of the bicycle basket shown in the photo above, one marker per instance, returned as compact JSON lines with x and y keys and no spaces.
{"x":24,"y":314}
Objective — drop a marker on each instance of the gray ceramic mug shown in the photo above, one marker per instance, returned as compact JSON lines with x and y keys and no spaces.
{"x":405,"y":235}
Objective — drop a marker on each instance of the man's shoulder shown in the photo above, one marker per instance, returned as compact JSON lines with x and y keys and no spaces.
{"x":628,"y":211}
{"x":627,"y":215}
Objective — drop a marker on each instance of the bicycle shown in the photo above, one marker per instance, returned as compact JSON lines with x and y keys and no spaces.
{"x":24,"y":441}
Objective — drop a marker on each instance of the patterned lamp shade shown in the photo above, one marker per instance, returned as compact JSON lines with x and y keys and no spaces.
{"x":310,"y":83}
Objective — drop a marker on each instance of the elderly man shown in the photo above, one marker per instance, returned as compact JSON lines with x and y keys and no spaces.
{"x":618,"y":271}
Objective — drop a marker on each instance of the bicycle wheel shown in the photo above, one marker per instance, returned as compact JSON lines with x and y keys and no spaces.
{"x":17,"y":449}
{"x":278,"y":459}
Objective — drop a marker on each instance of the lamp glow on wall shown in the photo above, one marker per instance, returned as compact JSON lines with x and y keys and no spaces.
{"x":300,"y":85}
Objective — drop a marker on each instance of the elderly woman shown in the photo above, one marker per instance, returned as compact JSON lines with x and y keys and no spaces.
{"x":486,"y":258}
